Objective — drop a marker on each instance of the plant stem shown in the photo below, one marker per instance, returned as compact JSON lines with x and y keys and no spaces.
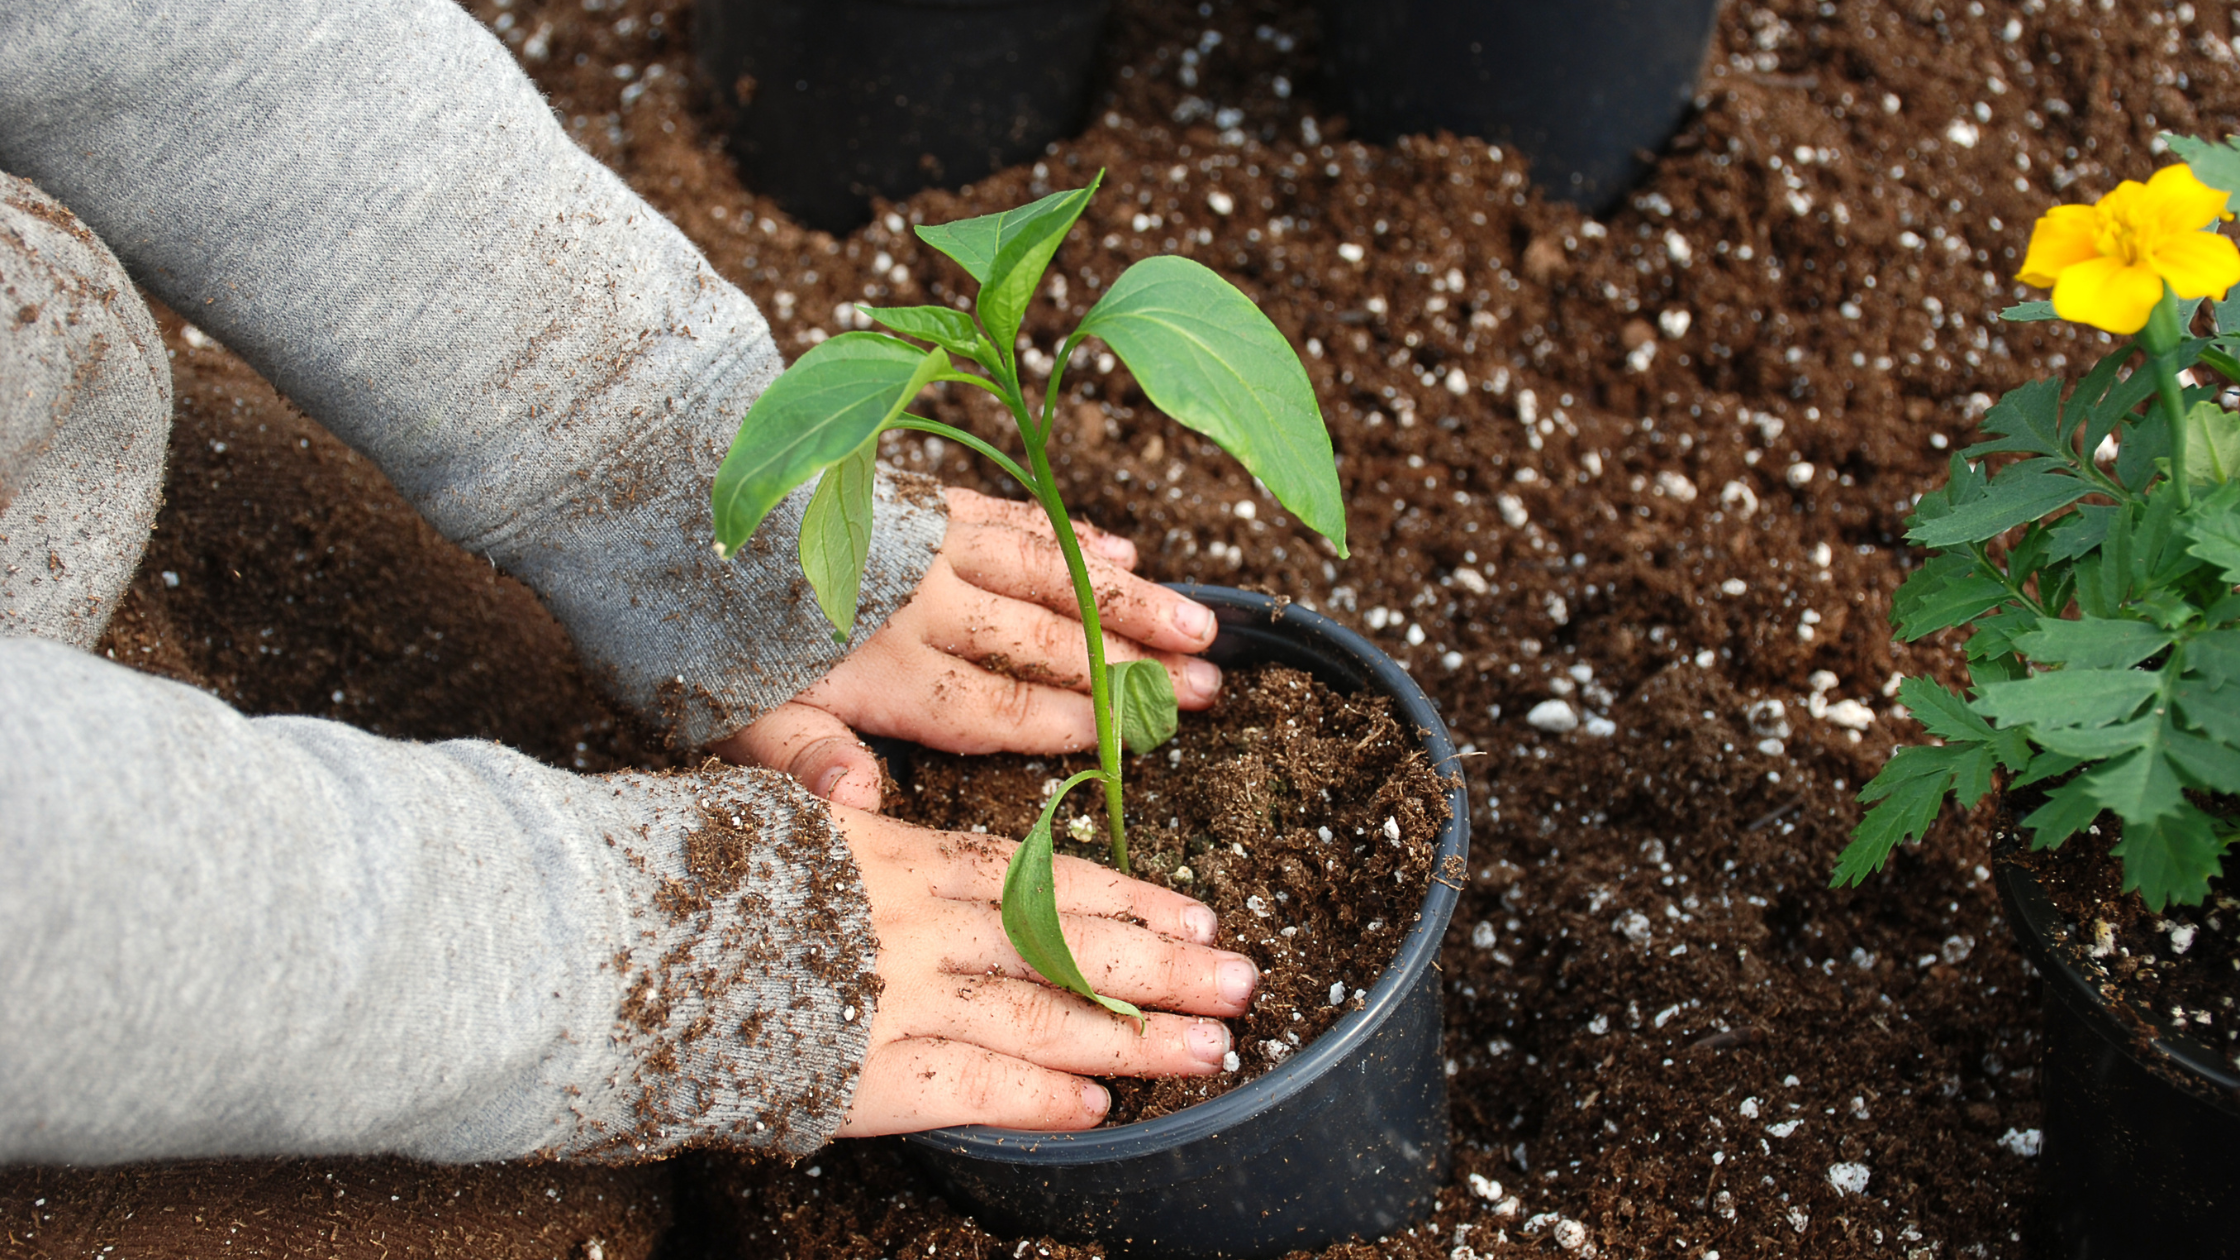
{"x":2165,"y":329}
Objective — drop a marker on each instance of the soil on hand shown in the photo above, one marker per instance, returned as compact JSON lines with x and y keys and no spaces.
{"x":1307,"y":820}
{"x":1652,"y":467}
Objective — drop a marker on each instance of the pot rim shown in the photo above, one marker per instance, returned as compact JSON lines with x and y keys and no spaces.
{"x":2039,"y":925}
{"x":1326,"y":1052}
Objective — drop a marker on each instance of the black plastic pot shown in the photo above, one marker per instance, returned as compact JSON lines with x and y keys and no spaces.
{"x":1349,"y":1136}
{"x":834,"y":101}
{"x":1585,"y":88}
{"x":2141,"y":1153}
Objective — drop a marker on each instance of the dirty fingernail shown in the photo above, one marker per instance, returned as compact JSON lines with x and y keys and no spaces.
{"x":1095,"y":1099}
{"x":1204,"y":677}
{"x":1207,"y":1041}
{"x":1199,"y":924}
{"x":829,"y":780}
{"x":1113,"y":547}
{"x":1235,"y":980}
{"x":1193,"y":619}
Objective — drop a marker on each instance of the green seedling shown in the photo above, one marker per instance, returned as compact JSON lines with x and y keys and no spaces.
{"x":1200,"y":350}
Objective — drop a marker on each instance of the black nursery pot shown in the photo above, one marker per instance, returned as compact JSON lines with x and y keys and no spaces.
{"x":1348,"y":1136}
{"x":1586,"y":88}
{"x":2141,"y":1153}
{"x":831,"y":102}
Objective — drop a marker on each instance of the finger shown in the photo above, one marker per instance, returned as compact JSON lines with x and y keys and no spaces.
{"x":1119,"y":960}
{"x":956,"y":706}
{"x":814,"y":747}
{"x":975,"y":867}
{"x":980,"y":509}
{"x":1028,"y":566}
{"x":1059,"y":1030}
{"x":916,"y":1084}
{"x":1044,"y":647}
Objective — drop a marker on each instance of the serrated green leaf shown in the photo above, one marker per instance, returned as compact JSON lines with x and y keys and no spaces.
{"x":1007,"y":253}
{"x":836,"y":535}
{"x":827,"y":404}
{"x":2212,"y":444}
{"x":1992,"y":637}
{"x":2216,"y":657}
{"x":2067,"y":697}
{"x":1941,"y":713}
{"x":1947,"y":591}
{"x":950,"y":329}
{"x":2213,"y":525}
{"x":2093,"y":643}
{"x":1205,"y":355}
{"x":2069,"y":809}
{"x":2139,"y":786}
{"x":2143,"y":446}
{"x":2214,"y":164}
{"x":2098,"y":743}
{"x":2028,"y":312}
{"x":2046,"y":765}
{"x":2212,"y":708}
{"x":1971,"y":774}
{"x":2028,"y":419}
{"x":1030,"y":908}
{"x":2205,"y":763}
{"x":1910,"y":790}
{"x":1143,"y":701}
{"x":2019,"y":493}
{"x":2170,"y":858}
{"x":2078,"y":533}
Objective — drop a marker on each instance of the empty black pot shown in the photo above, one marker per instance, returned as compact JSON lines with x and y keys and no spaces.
{"x":1349,"y":1136}
{"x":1582,"y":87}
{"x":834,"y":101}
{"x":2141,"y":1144}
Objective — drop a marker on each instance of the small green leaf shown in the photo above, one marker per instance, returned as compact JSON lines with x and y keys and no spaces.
{"x":2213,"y":163}
{"x":1951,"y":604}
{"x":1030,"y":908}
{"x":2067,"y":697}
{"x":1205,"y":355}
{"x":820,"y":410}
{"x":2215,"y":709}
{"x":1908,"y":793}
{"x":2097,"y":743}
{"x":2213,"y":523}
{"x":2078,"y":533}
{"x":836,"y":535}
{"x":2022,"y":492}
{"x":2205,"y":763}
{"x":1993,"y":637}
{"x":2069,"y":809}
{"x":952,"y":330}
{"x":2139,"y":786}
{"x":1008,"y":251}
{"x":1941,"y":713}
{"x":2212,"y":443}
{"x":2216,"y":657}
{"x":2170,"y":858}
{"x":2046,"y":765}
{"x":2092,"y":643}
{"x":2028,"y":312}
{"x":1143,"y":700}
{"x":2029,"y":420}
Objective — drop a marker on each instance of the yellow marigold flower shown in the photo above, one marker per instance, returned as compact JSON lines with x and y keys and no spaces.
{"x":2106,"y":263}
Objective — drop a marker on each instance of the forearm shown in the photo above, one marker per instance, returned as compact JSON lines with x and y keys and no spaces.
{"x":373,"y":206}
{"x":221,"y":935}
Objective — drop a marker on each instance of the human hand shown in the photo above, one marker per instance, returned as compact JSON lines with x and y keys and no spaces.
{"x":964,"y":1034}
{"x":988,"y":656}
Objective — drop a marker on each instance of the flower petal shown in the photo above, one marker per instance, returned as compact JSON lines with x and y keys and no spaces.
{"x":2198,"y":264}
{"x":2107,"y":294}
{"x":2177,"y":201}
{"x":2062,"y":238}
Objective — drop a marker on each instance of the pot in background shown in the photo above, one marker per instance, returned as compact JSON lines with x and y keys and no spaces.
{"x":834,"y":102}
{"x":1347,"y":1137}
{"x":1585,"y":88}
{"x":2141,"y":1153}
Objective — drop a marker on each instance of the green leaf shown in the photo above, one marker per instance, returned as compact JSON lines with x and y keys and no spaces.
{"x":1208,"y":357}
{"x":1941,"y":713}
{"x":2029,"y":420}
{"x":1909,"y":792}
{"x":2078,"y":533}
{"x":2021,"y":492}
{"x":2067,"y":697}
{"x":1008,"y":251}
{"x":2216,"y":657}
{"x":2139,"y":786}
{"x":1030,"y":908}
{"x":2028,"y":312}
{"x":952,"y":330}
{"x":2204,"y":763}
{"x":1993,"y":636}
{"x":1949,"y":604}
{"x":818,"y":411}
{"x":2145,"y":444}
{"x":2212,"y":443}
{"x":836,"y":535}
{"x":2214,"y":164}
{"x":2069,"y":809}
{"x":2098,"y":743}
{"x":2228,"y":313}
{"x":2046,"y":765}
{"x":2215,"y":709}
{"x":2093,"y":643}
{"x":2213,"y":523}
{"x":2170,"y":858}
{"x":1143,"y":700}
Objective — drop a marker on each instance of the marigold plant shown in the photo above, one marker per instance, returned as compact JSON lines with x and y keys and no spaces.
{"x":2100,"y":594}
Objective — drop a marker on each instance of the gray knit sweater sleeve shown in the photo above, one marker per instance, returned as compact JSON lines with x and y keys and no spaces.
{"x":284,"y":935}
{"x":370,"y":202}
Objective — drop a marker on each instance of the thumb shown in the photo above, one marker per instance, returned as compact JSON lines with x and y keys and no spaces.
{"x":813,"y":746}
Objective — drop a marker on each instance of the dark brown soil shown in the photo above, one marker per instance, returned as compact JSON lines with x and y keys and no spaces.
{"x":1307,"y":820}
{"x":1662,"y":1024}
{"x":344,"y":1209}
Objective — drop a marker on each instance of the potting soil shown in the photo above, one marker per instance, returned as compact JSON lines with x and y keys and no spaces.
{"x":1625,"y":495}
